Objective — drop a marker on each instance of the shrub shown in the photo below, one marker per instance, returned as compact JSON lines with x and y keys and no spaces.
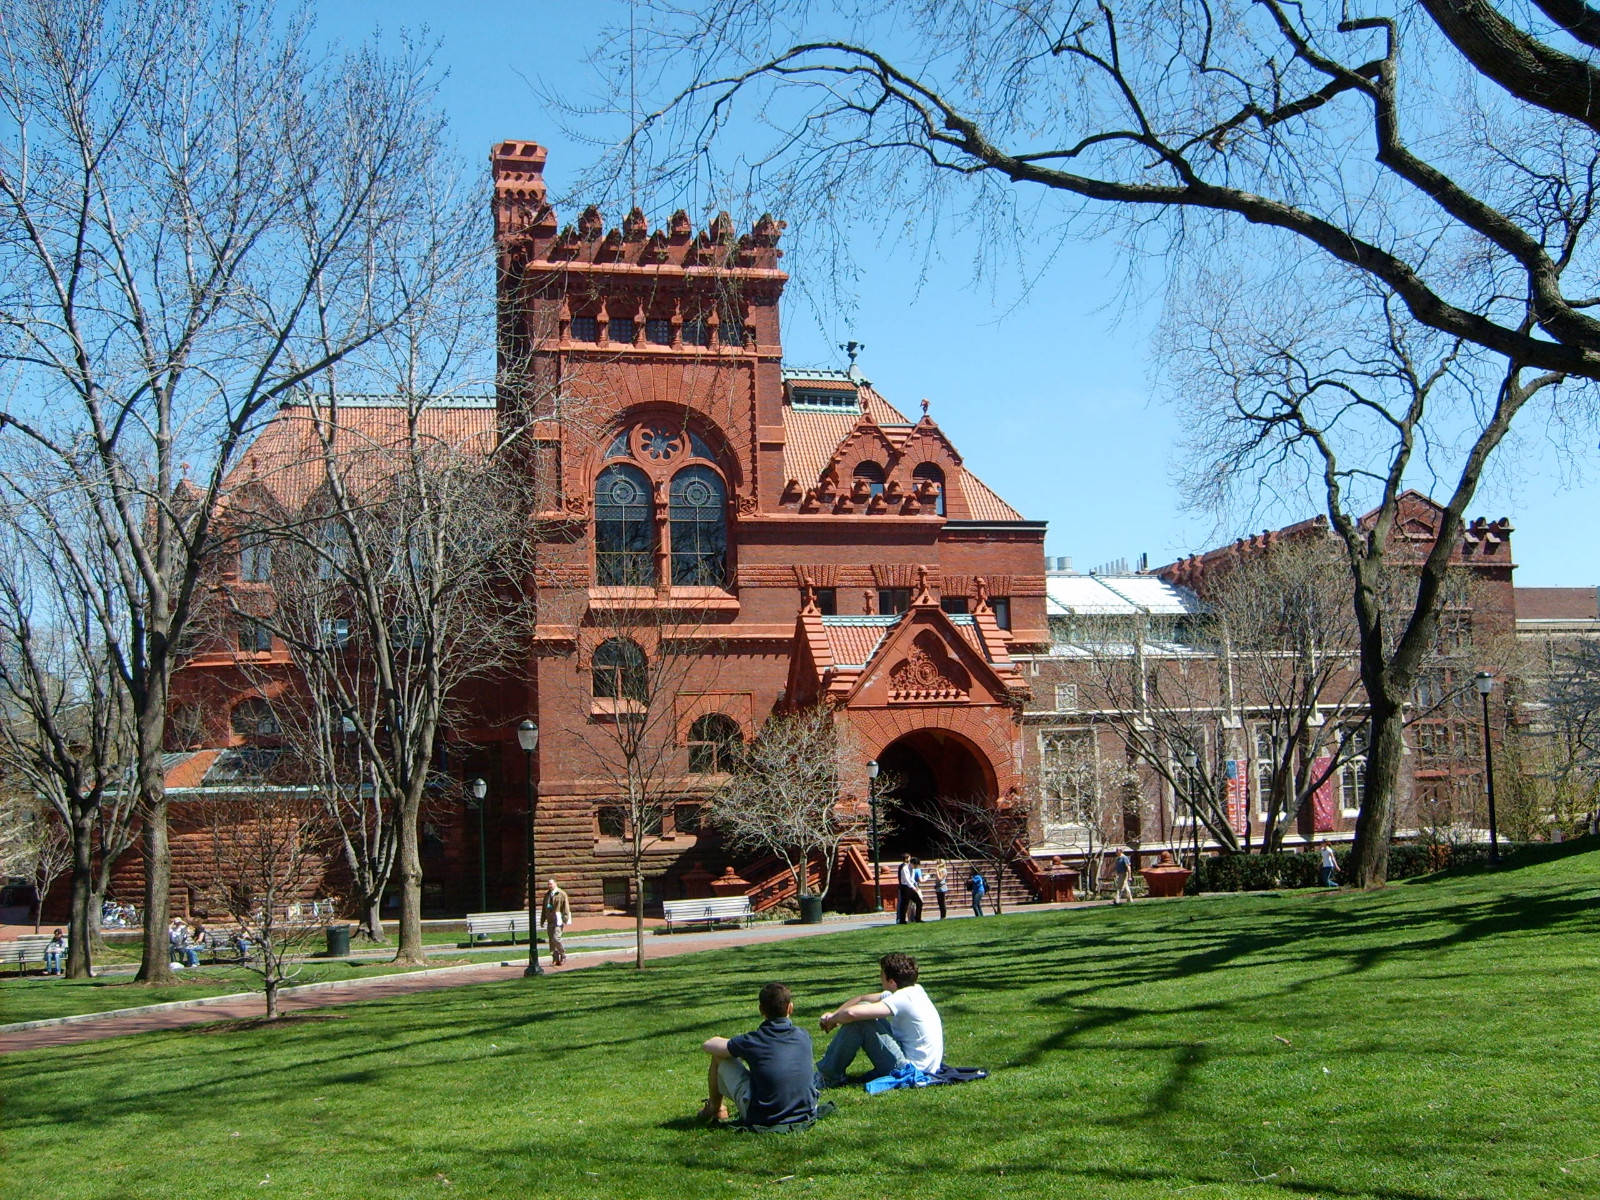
{"x":1299,"y":869}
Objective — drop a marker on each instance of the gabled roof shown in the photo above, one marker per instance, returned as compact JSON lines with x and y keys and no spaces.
{"x":930,"y":656}
{"x":285,"y":460}
{"x":812,"y":437}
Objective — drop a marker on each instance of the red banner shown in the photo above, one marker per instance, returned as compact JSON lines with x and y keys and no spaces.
{"x":1238,"y":793}
{"x":1324,"y":804}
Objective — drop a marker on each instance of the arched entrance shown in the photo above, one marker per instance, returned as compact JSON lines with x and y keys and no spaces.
{"x":921,"y":771}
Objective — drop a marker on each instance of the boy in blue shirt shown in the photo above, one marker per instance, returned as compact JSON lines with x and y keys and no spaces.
{"x":775,"y":1083}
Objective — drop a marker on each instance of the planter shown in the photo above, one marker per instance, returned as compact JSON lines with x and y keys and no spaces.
{"x":810,"y":910}
{"x":1166,"y":878}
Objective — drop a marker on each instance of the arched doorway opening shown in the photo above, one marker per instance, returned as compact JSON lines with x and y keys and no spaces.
{"x":920,"y":772}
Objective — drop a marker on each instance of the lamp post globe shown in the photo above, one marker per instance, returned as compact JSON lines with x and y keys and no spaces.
{"x":480,"y":789}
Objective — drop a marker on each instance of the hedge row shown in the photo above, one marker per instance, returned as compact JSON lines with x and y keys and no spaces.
{"x":1300,"y":869}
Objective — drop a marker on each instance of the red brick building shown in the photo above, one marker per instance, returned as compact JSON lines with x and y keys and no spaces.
{"x":777,"y":537}
{"x":723,"y":538}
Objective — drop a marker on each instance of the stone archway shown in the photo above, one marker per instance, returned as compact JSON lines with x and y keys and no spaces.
{"x":921,"y":770}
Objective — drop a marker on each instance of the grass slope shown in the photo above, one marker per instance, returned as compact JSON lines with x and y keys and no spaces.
{"x":1431,"y":1040}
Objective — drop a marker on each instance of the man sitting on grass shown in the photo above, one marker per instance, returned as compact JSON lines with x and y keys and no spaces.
{"x":775,"y":1084}
{"x":896,"y":1026}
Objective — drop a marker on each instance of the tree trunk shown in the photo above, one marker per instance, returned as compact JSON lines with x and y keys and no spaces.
{"x":80,"y":925}
{"x":272,"y":999}
{"x":638,"y":914}
{"x":1369,"y":857}
{"x":410,"y":950}
{"x":372,"y":919}
{"x":156,"y":965}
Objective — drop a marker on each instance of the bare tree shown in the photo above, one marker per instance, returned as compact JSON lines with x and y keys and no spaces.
{"x":404,"y":578}
{"x":67,"y":736}
{"x":783,"y":797}
{"x":643,"y":657}
{"x":993,"y":832}
{"x":267,"y":854}
{"x":1442,"y":154}
{"x":1083,"y":798}
{"x":201,"y":214}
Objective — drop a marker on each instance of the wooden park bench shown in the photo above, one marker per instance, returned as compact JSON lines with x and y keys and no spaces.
{"x":26,"y":950}
{"x":710,"y":912}
{"x":481,"y":926}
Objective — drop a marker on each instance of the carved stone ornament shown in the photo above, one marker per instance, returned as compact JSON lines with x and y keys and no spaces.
{"x":747,"y":506}
{"x":918,"y":677}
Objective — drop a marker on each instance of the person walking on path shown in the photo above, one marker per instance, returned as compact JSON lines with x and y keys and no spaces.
{"x":941,"y":885}
{"x":1123,"y":868}
{"x":1330,"y":865}
{"x":557,"y":914}
{"x":978,"y":886}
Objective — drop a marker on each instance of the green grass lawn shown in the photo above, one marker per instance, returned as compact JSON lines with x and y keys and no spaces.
{"x":1435,"y":1039}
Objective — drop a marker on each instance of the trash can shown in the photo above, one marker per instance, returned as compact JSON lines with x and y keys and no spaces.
{"x":338,"y":941}
{"x":810,"y":910}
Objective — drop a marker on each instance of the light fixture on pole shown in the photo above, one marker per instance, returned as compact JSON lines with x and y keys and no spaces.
{"x":528,"y":739}
{"x":479,"y":789}
{"x":1485,"y":685}
{"x":872,"y":804}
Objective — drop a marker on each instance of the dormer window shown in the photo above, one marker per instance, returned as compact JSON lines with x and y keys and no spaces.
{"x":928,"y":473}
{"x":872,"y":475}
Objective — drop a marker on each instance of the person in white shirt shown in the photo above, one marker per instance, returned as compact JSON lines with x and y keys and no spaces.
{"x":896,"y":1026}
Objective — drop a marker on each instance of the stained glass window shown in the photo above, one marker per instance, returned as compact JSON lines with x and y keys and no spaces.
{"x":624,"y":531}
{"x":698,"y":510}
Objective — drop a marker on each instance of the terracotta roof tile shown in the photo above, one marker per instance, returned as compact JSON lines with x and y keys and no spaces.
{"x":853,"y":640}
{"x":285,"y":459}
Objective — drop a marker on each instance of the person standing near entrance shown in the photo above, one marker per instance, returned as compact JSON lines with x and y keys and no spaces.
{"x":556,"y":915}
{"x":941,"y":885}
{"x":978,"y":886}
{"x":1330,"y":865}
{"x":908,"y":901}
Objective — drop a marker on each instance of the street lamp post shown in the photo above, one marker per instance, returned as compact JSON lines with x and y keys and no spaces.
{"x":1192,"y":760}
{"x":1485,"y":684}
{"x":479,"y":789}
{"x":528,"y":739}
{"x":872,"y":804}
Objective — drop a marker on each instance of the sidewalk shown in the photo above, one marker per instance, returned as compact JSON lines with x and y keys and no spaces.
{"x":66,"y":1031}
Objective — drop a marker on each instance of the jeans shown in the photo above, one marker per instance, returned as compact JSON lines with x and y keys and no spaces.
{"x":977,"y":904}
{"x":52,"y":962}
{"x":873,"y":1037}
{"x":189,"y":954}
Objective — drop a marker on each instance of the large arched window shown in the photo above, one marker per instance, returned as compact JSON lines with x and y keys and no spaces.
{"x":661,"y":454}
{"x":928,"y":473}
{"x":624,"y":531}
{"x":714,"y":743}
{"x":698,"y":508}
{"x":619,"y":671}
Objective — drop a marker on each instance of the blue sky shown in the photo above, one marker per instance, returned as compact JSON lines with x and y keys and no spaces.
{"x":1045,"y":390}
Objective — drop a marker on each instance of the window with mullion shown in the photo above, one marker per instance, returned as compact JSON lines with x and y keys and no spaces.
{"x":699,"y":529}
{"x":624,"y":528}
